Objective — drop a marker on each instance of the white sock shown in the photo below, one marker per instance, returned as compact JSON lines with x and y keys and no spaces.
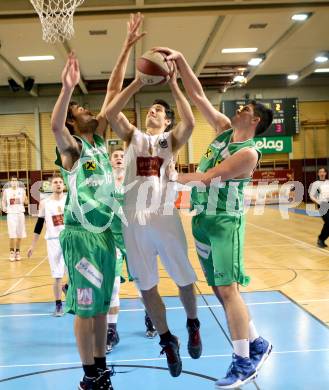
{"x":112,"y":318}
{"x":241,"y":347}
{"x":253,"y":334}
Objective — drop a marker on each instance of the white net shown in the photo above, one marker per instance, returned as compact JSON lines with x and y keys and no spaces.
{"x":56,"y":18}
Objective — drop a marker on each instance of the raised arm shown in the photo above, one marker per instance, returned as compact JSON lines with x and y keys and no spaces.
{"x":118,"y":122}
{"x":184,"y":128}
{"x":70,"y":77}
{"x":193,"y":87}
{"x":115,"y":82}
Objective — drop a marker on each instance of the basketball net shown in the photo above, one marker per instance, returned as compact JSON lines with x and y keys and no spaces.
{"x":56,"y":18}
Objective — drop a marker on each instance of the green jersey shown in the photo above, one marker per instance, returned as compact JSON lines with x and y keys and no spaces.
{"x":221,"y":196}
{"x":116,"y":226}
{"x":90,"y":200}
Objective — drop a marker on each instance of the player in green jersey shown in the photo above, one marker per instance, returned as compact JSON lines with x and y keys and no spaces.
{"x":218,"y":227}
{"x":117,"y":163}
{"x":87,"y":241}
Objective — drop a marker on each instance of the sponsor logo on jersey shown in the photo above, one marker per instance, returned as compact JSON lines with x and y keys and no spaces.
{"x":90,"y":165}
{"x":218,"y":145}
{"x":149,"y":166}
{"x":163,"y":143}
{"x":90,"y":272}
{"x":85,"y":296}
{"x":58,"y":220}
{"x":94,"y":181}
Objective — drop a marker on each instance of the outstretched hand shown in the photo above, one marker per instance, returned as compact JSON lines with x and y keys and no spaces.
{"x":172,"y":55}
{"x":71,"y":72}
{"x":133,"y":25}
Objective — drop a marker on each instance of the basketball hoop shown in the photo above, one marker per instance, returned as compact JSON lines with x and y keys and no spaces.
{"x":56,"y":18}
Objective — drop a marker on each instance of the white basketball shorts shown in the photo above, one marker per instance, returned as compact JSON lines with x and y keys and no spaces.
{"x":16,"y":225}
{"x":162,"y":236}
{"x":55,"y":257}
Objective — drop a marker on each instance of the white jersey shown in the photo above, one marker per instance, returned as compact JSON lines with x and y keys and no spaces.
{"x":14,"y":200}
{"x":320,"y":190}
{"x":53,"y":213}
{"x":147,"y":189}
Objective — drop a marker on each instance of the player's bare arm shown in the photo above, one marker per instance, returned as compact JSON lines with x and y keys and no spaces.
{"x":238,"y":166}
{"x":117,"y":120}
{"x":67,"y":145}
{"x":115,"y":82}
{"x":193,"y":87}
{"x":183,"y":130}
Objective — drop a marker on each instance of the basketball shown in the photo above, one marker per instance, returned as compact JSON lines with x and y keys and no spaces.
{"x":153,"y":68}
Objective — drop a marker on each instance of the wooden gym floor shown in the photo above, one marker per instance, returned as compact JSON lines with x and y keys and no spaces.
{"x":280,"y":254}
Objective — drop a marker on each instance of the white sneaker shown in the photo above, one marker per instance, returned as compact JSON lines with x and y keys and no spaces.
{"x":12,"y":256}
{"x":18,"y":256}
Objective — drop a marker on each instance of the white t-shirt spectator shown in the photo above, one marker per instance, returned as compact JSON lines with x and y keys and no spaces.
{"x":319,"y":191}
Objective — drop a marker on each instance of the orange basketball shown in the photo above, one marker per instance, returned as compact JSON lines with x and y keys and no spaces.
{"x":153,"y":68}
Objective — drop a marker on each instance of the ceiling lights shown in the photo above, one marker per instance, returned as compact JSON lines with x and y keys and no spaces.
{"x":321,"y":59}
{"x":292,"y":76}
{"x":300,"y":17}
{"x":239,"y":50}
{"x":255,"y":61}
{"x":36,"y":58}
{"x":321,"y":70}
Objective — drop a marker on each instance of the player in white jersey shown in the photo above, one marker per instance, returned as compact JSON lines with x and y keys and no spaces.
{"x":319,"y":193}
{"x":13,"y":200}
{"x":51,"y":211}
{"x":153,"y":225}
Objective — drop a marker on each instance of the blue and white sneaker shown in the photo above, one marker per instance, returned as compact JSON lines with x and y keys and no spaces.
{"x":259,"y":352}
{"x":240,"y":372}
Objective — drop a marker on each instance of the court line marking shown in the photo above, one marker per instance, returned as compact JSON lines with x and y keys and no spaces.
{"x":22,"y":278}
{"x":160,"y":358}
{"x":323,"y":251}
{"x":177,"y":307}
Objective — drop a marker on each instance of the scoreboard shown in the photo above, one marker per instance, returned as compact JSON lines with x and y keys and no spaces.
{"x":285,"y":114}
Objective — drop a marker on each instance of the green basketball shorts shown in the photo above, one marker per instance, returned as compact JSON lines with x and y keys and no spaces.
{"x":219,"y":241}
{"x":90,"y":260}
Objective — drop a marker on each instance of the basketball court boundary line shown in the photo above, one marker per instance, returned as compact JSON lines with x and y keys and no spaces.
{"x":224,"y":355}
{"x":323,"y":251}
{"x":22,"y":278}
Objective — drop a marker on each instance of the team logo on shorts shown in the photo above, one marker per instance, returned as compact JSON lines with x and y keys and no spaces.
{"x":85,"y":296}
{"x":219,"y":274}
{"x":90,"y":165}
{"x":90,"y":272}
{"x":163,"y":143}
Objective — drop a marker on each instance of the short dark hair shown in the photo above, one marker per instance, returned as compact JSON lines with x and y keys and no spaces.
{"x":170,"y":113}
{"x":325,"y":169}
{"x":265,"y":115}
{"x":70,"y":117}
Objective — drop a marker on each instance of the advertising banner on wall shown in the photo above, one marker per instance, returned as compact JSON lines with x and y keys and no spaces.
{"x":274,"y":144}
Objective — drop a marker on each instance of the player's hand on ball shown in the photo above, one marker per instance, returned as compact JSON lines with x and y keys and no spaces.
{"x":133,"y":25}
{"x":172,"y":54}
{"x":71,"y":72}
{"x":173,"y":76}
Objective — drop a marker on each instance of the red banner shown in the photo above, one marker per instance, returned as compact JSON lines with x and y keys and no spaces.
{"x":279,"y":176}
